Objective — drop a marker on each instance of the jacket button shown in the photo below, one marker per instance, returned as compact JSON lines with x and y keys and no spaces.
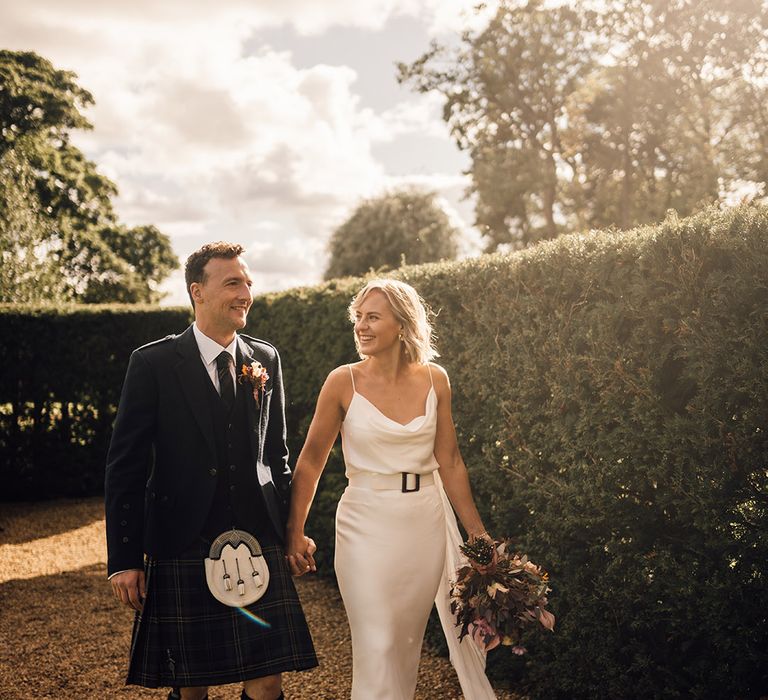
{"x":125,"y":539}
{"x":165,"y":499}
{"x":232,"y":467}
{"x":212,"y":471}
{"x":123,"y":522}
{"x":232,"y":488}
{"x":126,"y":506}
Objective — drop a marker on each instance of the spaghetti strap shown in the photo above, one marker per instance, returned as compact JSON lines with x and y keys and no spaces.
{"x":431,"y":381}
{"x":352,"y":376}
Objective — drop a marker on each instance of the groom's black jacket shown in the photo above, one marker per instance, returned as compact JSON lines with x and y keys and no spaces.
{"x":162,"y":466}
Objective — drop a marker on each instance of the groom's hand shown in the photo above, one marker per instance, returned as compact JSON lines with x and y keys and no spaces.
{"x":129,"y":588}
{"x":299,"y":553}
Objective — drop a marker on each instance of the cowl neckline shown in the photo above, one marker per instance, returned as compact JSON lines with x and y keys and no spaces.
{"x":377,"y":412}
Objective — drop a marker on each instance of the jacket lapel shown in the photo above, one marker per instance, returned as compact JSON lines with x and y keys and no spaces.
{"x":245,"y":356}
{"x":196,"y":385}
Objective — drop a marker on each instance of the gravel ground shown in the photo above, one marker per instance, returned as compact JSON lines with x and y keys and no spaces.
{"x":63,"y":636}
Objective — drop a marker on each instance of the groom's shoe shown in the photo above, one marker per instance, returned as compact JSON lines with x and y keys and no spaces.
{"x":175,"y":694}
{"x":244,"y":696}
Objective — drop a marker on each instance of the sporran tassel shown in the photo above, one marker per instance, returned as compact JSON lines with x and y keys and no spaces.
{"x":227,"y":582}
{"x":240,"y":582}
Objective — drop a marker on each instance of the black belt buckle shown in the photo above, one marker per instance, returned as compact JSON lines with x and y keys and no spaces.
{"x":405,"y":488}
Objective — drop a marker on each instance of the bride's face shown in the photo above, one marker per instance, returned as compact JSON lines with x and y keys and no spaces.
{"x":376,"y":327}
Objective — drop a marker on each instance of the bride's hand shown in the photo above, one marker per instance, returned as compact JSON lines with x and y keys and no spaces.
{"x":491,"y":565}
{"x":299,"y":551}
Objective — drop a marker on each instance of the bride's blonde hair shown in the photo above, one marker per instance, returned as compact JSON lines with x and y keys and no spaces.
{"x":410,"y":310}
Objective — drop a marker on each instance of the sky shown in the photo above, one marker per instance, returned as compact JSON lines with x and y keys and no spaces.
{"x":263,"y":122}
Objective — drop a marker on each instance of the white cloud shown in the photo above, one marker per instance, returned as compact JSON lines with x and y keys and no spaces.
{"x":209,"y":143}
{"x":121,"y":17}
{"x":434,"y":182}
{"x":274,"y":263}
{"x":274,"y":257}
{"x":455,"y":16}
{"x":420,"y":116}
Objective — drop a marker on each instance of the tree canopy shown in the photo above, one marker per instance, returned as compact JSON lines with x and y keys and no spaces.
{"x":59,"y":236}
{"x":399,"y":227}
{"x":604,"y":114}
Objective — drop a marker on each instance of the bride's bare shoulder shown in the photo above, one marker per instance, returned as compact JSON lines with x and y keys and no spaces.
{"x":437,"y":371}
{"x":439,"y":378}
{"x":339,"y":380}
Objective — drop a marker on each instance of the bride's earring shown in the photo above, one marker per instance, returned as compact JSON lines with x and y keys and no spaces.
{"x":405,"y":347}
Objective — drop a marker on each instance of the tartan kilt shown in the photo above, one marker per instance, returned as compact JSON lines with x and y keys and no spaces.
{"x":185,"y":637}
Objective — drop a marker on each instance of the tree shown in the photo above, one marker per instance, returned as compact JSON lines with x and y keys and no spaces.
{"x":37,"y":99}
{"x":57,"y":222}
{"x":604,"y":114}
{"x":25,"y":274}
{"x":506,"y":91}
{"x":747,"y":142}
{"x":405,"y":226}
{"x":652,"y":124}
{"x":147,"y":253}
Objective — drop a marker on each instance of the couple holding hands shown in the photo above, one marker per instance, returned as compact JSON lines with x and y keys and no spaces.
{"x":197,"y":474}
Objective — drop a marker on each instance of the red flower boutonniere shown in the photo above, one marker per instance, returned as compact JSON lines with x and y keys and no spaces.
{"x":255,"y":375}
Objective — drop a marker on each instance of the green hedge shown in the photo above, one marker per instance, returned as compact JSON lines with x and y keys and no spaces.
{"x":610,"y":395}
{"x":61,"y":370}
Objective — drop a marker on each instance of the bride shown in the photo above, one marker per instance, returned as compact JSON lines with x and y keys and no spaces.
{"x":396,"y":535}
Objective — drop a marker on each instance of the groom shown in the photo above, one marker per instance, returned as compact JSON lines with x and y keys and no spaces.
{"x":195,"y":453}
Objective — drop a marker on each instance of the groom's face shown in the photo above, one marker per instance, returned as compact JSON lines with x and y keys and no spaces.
{"x":224,"y":298}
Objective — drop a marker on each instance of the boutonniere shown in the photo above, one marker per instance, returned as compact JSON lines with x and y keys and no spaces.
{"x":255,"y":375}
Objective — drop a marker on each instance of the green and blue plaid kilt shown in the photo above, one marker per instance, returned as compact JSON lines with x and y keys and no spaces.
{"x":185,"y":637}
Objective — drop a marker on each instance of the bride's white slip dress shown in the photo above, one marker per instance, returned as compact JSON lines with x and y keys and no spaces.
{"x":397,"y":548}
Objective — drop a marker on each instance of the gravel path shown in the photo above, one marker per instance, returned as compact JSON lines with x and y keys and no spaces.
{"x":63,"y":636}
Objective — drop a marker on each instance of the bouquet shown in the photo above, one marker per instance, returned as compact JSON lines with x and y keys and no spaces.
{"x":498,"y":595}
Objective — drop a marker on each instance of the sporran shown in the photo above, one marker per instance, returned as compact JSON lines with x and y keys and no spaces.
{"x":236,"y":570}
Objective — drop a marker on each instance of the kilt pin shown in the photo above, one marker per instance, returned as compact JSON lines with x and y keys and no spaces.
{"x":183,"y":466}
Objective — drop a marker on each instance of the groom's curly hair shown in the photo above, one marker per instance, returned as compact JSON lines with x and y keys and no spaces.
{"x":194,"y":268}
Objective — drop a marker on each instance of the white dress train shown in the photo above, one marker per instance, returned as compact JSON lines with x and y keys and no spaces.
{"x":396,"y":554}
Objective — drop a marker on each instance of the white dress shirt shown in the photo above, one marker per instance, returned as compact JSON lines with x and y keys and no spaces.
{"x":209,"y":351}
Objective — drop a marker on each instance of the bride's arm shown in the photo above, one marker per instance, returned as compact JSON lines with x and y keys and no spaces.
{"x":453,"y":471}
{"x":321,"y":435}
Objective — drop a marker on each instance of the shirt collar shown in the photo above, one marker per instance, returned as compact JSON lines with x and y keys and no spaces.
{"x":210,"y":349}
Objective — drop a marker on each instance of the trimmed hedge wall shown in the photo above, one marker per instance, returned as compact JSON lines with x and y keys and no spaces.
{"x":60,"y":378}
{"x":611,"y":396}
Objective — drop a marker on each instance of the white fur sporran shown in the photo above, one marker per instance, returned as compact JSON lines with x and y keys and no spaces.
{"x":236,"y":570}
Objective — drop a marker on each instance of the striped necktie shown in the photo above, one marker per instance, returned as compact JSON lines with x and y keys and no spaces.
{"x":226,"y":385}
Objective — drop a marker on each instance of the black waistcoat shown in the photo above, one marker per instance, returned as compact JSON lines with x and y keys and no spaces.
{"x":238,"y":501}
